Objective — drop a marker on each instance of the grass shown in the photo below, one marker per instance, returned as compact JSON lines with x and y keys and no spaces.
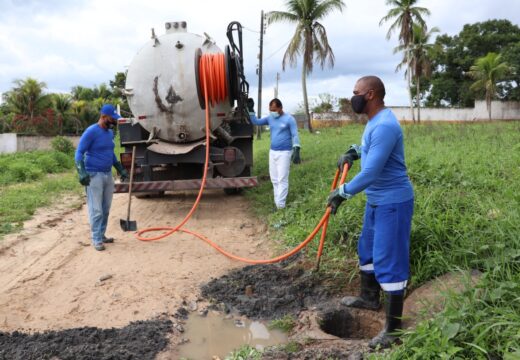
{"x":245,"y":352}
{"x":30,"y":180}
{"x":30,"y":166}
{"x":19,"y":202}
{"x":285,"y":324}
{"x":466,"y":216}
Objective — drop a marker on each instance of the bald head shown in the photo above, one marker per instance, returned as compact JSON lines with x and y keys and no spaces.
{"x":373,"y":83}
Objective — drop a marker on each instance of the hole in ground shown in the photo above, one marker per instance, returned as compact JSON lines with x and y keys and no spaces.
{"x":350,"y":323}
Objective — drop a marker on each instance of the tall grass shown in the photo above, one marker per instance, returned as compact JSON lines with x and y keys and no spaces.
{"x":466,"y":216}
{"x":28,"y":180}
{"x":29,"y":166}
{"x":19,"y":202}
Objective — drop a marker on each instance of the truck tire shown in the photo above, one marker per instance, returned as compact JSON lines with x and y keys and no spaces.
{"x":149,"y":195}
{"x":233,"y":191}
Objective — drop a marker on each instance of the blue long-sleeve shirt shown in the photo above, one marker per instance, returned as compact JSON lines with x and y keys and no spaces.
{"x":284,"y":132}
{"x":96,"y":148}
{"x":383,"y":173}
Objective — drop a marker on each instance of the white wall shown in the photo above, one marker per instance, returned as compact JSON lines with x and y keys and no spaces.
{"x":11,"y":142}
{"x":7,"y":143}
{"x":500,"y":110}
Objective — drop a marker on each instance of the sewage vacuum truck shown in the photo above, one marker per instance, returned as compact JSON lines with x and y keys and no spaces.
{"x":165,"y":92}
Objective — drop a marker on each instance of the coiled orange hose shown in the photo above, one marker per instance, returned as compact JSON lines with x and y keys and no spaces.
{"x":212,"y":76}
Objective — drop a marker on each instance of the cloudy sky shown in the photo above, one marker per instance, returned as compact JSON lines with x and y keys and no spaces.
{"x":65,"y":43}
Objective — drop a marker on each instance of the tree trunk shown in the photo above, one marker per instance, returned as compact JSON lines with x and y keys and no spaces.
{"x":409,"y":78}
{"x":418,"y":99}
{"x":305,"y":100}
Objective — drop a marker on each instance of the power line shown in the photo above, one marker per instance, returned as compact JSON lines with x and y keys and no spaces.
{"x":281,"y":47}
{"x":248,"y":29}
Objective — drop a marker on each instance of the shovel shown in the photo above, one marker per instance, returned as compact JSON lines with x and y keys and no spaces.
{"x":129,"y":225}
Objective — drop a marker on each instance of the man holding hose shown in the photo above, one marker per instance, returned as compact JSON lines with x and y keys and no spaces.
{"x":384,"y":243}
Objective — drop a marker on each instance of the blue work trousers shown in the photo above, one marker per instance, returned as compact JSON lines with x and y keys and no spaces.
{"x":384,"y":244}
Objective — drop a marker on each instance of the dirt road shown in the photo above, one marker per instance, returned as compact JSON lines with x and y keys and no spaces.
{"x":51,"y":278}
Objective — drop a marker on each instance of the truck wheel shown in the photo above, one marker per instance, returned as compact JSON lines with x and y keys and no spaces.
{"x":233,"y":191}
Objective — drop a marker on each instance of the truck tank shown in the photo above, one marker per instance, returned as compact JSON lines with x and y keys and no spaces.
{"x":167,"y":123}
{"x":161,"y":87}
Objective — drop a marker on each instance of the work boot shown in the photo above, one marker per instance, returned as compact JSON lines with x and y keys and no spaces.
{"x":108,"y":240}
{"x":99,"y":247}
{"x":369,"y":297}
{"x":394,"y":313}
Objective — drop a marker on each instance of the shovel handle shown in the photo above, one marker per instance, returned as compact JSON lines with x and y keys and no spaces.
{"x":130,"y":185}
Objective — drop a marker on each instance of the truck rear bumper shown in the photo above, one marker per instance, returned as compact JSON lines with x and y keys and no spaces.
{"x":194,"y":184}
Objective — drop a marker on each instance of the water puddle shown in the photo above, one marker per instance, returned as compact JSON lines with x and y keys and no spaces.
{"x":214,"y":335}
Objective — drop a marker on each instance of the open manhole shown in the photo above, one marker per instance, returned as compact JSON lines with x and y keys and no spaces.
{"x":350,"y":323}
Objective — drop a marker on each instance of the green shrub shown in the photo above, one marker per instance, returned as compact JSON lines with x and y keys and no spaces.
{"x":62,"y":144}
{"x":20,"y":172}
{"x":64,"y":161}
{"x":48,"y":164}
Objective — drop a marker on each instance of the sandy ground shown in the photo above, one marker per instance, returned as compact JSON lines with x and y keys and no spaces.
{"x":50,"y":275}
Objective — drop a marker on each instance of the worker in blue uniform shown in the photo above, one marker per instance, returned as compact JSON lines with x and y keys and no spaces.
{"x":285,"y":147}
{"x":384,"y":244}
{"x":94,"y":160}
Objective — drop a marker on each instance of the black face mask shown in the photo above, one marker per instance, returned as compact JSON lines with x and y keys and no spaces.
{"x":358,"y":103}
{"x":110,"y":124}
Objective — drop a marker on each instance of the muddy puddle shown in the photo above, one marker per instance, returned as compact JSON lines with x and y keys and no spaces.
{"x":217,"y":335}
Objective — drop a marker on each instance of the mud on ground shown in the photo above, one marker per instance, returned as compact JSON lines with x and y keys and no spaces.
{"x":269,"y":291}
{"x":138,"y":340}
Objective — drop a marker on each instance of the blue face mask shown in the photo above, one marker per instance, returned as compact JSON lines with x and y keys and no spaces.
{"x":274,"y":114}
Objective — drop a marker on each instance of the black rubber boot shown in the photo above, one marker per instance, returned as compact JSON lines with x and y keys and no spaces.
{"x":369,"y":297}
{"x":394,"y":313}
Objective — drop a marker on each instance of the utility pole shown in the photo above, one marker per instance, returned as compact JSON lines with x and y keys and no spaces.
{"x":276,"y":87}
{"x":260,"y":60}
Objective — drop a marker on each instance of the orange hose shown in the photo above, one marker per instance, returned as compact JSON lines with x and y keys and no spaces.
{"x":212,"y":76}
{"x":326,"y":223}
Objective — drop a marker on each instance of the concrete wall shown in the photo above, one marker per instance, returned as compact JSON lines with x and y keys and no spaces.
{"x":11,"y":142}
{"x":7,"y":143}
{"x":499,"y":111}
{"x":436,"y":114}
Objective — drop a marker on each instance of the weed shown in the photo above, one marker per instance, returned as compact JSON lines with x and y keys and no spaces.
{"x":285,"y":324}
{"x":245,"y":352}
{"x":63,"y":145}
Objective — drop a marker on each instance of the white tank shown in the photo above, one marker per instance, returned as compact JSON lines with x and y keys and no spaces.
{"x":161,"y":86}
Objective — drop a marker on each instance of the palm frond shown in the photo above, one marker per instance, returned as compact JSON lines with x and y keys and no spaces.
{"x":281,"y":16}
{"x":294,"y":48}
{"x":326,"y":7}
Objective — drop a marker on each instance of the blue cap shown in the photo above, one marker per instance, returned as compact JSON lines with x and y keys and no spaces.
{"x":110,"y":110}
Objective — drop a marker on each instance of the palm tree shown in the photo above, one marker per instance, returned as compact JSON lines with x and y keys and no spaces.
{"x":63,"y":107}
{"x":405,"y":14}
{"x":27,"y":98}
{"x":310,"y":38}
{"x":417,"y":59}
{"x":488,"y":71}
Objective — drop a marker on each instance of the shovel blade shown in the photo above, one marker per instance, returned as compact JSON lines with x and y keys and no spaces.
{"x":128,"y":225}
